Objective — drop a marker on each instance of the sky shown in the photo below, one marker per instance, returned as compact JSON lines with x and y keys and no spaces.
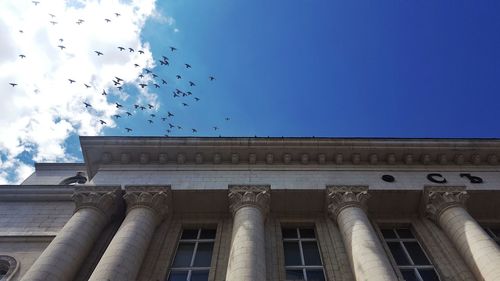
{"x":324,"y":68}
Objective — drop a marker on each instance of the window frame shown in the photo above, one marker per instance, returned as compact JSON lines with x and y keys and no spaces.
{"x":303,"y":267}
{"x":196,"y":242}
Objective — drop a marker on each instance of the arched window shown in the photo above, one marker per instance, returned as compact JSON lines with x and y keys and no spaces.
{"x":8,"y":267}
{"x":80,"y":178}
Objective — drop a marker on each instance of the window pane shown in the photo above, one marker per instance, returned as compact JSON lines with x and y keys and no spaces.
{"x":183,"y":255}
{"x":207,"y":234}
{"x":178,"y":276}
{"x":398,"y":253}
{"x":409,"y":275}
{"x":199,"y":275}
{"x":307,"y":233}
{"x":388,"y":233}
{"x":416,"y":253}
{"x":404,"y":233}
{"x":289,"y":232}
{"x":189,"y":234}
{"x":428,"y":274}
{"x":292,"y":253}
{"x":203,"y":254}
{"x":315,"y":275}
{"x":311,"y":253}
{"x":292,"y":275}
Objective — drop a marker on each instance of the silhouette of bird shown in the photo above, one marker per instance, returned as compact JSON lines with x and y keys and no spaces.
{"x":22,"y":56}
{"x":173,"y":49}
{"x":150,"y":121}
{"x":227,"y":118}
{"x":164,"y":119}
{"x":150,"y":106}
{"x":86,"y":86}
{"x":87,"y":104}
{"x":35,"y":2}
{"x":179,"y":127}
{"x":117,"y":116}
{"x":156,"y":85}
{"x":171,"y":125}
{"x":53,"y":22}
{"x":119,"y":88}
{"x":211,"y":78}
{"x":107,"y":20}
{"x":169,"y":131}
{"x":130,"y":50}
{"x":128,"y":130}
{"x":13,"y":84}
{"x":187,"y":65}
{"x":118,"y":78}
{"x":164,"y":58}
{"x":128,"y":113}
{"x":163,"y":81}
{"x":60,"y":39}
{"x":147,"y":70}
{"x":143,"y":85}
{"x":121,"y":48}
{"x":71,"y":81}
{"x":136,"y":65}
{"x":142,"y":107}
{"x":178,"y":76}
{"x":116,"y":82}
{"x":117,"y":14}
{"x":61,"y":47}
{"x":154,"y":75}
{"x":194,"y":130}
{"x":141,"y":52}
{"x":136,"y":106}
{"x":98,"y":53}
{"x":104,"y":93}
{"x":80,"y":21}
{"x":185,"y":104}
{"x":191,"y":83}
{"x":141,"y":75}
{"x":102,"y":122}
{"x":164,"y":62}
{"x":52,"y":15}
{"x":176,"y":95}
{"x":215,"y":128}
{"x":118,"y":105}
{"x":152,"y":115}
{"x":170,"y":114}
{"x":197,"y":99}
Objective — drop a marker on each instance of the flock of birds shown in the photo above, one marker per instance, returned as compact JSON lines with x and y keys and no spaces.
{"x":147,"y":78}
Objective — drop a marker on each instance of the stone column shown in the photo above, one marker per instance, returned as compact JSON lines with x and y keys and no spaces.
{"x":445,"y":206}
{"x":62,"y":259}
{"x":247,"y":259}
{"x":146,"y":207}
{"x":346,"y":206}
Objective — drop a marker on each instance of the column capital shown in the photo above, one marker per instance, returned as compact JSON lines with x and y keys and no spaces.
{"x":105,"y":200}
{"x":249,"y":195}
{"x":340,"y":197}
{"x":155,"y":198}
{"x":438,"y":199}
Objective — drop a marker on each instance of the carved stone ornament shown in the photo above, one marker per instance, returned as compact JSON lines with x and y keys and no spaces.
{"x":345,"y":196}
{"x":101,"y":199}
{"x":249,"y":195}
{"x":154,"y":198}
{"x":439,"y":199}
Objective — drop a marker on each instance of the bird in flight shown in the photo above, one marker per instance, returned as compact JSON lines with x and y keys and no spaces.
{"x":191,"y":83}
{"x":118,"y":105}
{"x":171,"y":125}
{"x":117,"y":116}
{"x":71,"y":81}
{"x":87,"y":104}
{"x":86,"y":86}
{"x":35,"y":2}
{"x":141,"y":52}
{"x":147,"y":70}
{"x":150,"y":121}
{"x":130,"y":50}
{"x":52,"y":15}
{"x":104,"y":93}
{"x":142,"y":107}
{"x":141,"y":75}
{"x":121,"y":48}
{"x":178,"y":76}
{"x":80,"y":21}
{"x":118,"y":78}
{"x":117,"y":14}
{"x":211,"y":78}
{"x":187,"y":65}
{"x":154,"y":75}
{"x":107,"y":20}
{"x":128,"y":130}
{"x":156,"y":85}
{"x":150,"y":106}
{"x":179,"y":127}
{"x":164,"y":62}
{"x":227,"y":118}
{"x":61,"y":47}
{"x":22,"y":56}
{"x":13,"y":84}
{"x":163,"y":81}
{"x":173,"y":49}
{"x":143,"y":85}
{"x":136,"y":106}
{"x":128,"y":113}
{"x":189,"y":93}
{"x":215,"y":128}
{"x":102,"y":122}
{"x":194,"y":130}
{"x":116,"y":82}
{"x":164,"y":119}
{"x":53,"y":22}
{"x":176,"y":95}
{"x":98,"y":53}
{"x":169,"y":114}
{"x":136,"y":65}
{"x":197,"y":99}
{"x":185,"y":104}
{"x":152,"y":115}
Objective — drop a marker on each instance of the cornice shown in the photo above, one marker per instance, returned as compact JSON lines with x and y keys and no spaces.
{"x":102,"y":151}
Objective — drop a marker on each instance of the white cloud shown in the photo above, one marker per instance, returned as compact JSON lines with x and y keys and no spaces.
{"x":44,"y":109}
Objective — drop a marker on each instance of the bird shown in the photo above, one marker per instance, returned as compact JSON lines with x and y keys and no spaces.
{"x":163,"y":81}
{"x":141,"y":75}
{"x":164,"y":119}
{"x":107,"y":20}
{"x":171,"y":125}
{"x":152,"y":115}
{"x":169,"y":131}
{"x":102,"y":122}
{"x":142,"y":107}
{"x":118,"y":105}
{"x":227,"y":118}
{"x":61,"y":47}
{"x":143,"y":85}
{"x":185,"y":104}
{"x":116,"y":82}
{"x":60,"y":39}
{"x":194,"y":130}
{"x":150,"y":121}
{"x":187,"y":65}
{"x":121,"y":48}
{"x":98,"y":53}
{"x":128,"y":130}
{"x":150,"y":106}
{"x":52,"y":15}
{"x":128,"y":113}
{"x":117,"y":14}
{"x":118,"y":79}
{"x":130,"y":50}
{"x":104,"y":93}
{"x":179,"y":127}
{"x":189,"y":93}
{"x":176,"y":95}
{"x":170,"y":114}
{"x":87,"y":104}
{"x":197,"y":99}
{"x":22,"y":56}
{"x":141,"y":52}
{"x":136,"y":106}
{"x":178,"y":76}
{"x":156,"y":85}
{"x":191,"y":83}
{"x":53,"y":22}
{"x":117,"y":116}
{"x":173,"y":49}
{"x":35,"y":2}
{"x":154,"y":75}
{"x":80,"y":21}
{"x":119,"y":88}
{"x":13,"y":84}
{"x":86,"y":86}
{"x":211,"y":78}
{"x":147,"y":70}
{"x":71,"y":81}
{"x":136,"y":65}
{"x":164,"y":62}
{"x":164,"y":58}
{"x":215,"y":128}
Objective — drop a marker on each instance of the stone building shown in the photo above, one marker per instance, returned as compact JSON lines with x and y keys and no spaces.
{"x":237,"y":209}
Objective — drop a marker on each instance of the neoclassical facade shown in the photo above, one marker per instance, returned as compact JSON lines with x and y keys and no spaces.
{"x":238,"y":209}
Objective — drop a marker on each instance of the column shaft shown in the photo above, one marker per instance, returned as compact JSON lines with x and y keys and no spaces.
{"x":477,"y":248}
{"x":123,"y":257}
{"x":366,"y":255}
{"x":61,"y":260}
{"x":247,"y":255}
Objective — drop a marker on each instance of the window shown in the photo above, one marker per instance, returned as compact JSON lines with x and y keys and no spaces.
{"x":494,"y":233}
{"x":193,"y":256}
{"x":411,"y":259}
{"x":302,"y":257}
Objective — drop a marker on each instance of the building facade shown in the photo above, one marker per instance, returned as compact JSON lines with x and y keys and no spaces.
{"x":155,"y":208}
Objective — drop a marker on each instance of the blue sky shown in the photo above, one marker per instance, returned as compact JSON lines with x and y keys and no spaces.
{"x":426,"y":69}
